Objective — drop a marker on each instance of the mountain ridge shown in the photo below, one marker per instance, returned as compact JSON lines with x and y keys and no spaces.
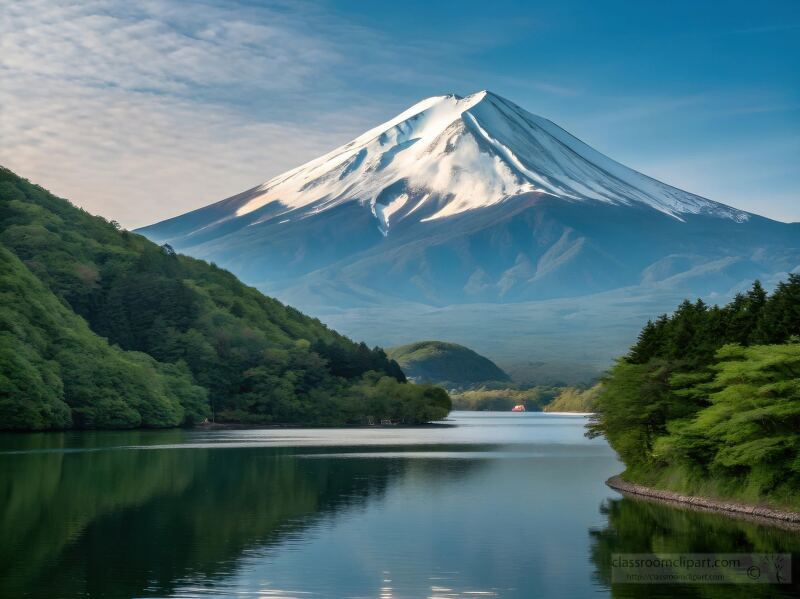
{"x":429,"y":210}
{"x":492,"y":136}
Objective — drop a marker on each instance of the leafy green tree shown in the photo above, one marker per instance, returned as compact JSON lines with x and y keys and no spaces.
{"x":708,"y":399}
{"x":56,"y":373}
{"x":750,"y":432}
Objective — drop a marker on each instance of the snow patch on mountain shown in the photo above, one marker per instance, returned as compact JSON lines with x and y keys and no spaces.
{"x":384,"y":212}
{"x":451,"y":155}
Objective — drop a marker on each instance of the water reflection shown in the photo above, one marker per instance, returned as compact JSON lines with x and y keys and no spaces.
{"x":139,"y":521}
{"x":637,"y":525}
{"x":491,"y":506}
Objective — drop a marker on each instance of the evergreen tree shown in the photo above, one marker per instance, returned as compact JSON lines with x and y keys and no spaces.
{"x":707,"y":400}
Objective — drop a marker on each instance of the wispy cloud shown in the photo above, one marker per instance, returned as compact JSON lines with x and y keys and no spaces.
{"x":157,"y":47}
{"x":140,"y":111}
{"x":144,"y":110}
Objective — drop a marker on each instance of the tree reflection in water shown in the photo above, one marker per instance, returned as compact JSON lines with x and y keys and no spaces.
{"x":96,"y":514}
{"x":646,"y":526}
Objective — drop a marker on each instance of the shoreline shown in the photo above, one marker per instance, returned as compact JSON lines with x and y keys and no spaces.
{"x":758,"y":513}
{"x":220,"y":426}
{"x":213,"y":426}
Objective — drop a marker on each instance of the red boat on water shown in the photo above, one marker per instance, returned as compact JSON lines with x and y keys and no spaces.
{"x":518,"y":408}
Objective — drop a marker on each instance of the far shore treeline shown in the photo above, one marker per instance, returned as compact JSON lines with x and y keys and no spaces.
{"x":707,"y":401}
{"x":101,"y":328}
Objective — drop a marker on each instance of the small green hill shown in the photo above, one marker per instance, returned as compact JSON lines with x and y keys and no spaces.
{"x":447,"y":364}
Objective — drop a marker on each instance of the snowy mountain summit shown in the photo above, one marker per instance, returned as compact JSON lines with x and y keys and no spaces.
{"x":475,"y":200}
{"x":447,"y":154}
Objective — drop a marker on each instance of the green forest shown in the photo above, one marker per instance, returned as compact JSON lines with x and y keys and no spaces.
{"x":101,"y":328}
{"x":707,"y":401}
{"x":505,"y":397}
{"x":572,"y":399}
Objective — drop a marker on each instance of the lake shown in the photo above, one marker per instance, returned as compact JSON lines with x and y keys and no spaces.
{"x":485,"y":505}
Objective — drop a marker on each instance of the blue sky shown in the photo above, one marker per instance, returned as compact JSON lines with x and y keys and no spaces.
{"x":143,"y":111}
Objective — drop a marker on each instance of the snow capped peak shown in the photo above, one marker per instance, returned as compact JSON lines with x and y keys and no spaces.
{"x":446,"y":155}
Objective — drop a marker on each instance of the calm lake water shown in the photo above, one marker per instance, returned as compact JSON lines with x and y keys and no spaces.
{"x":492,"y":505}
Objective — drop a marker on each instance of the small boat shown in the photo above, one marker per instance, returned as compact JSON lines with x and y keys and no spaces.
{"x":518,"y":408}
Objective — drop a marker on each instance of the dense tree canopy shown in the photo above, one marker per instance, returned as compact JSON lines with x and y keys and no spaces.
{"x":572,"y":399}
{"x":505,"y":397}
{"x":55,"y":373}
{"x":708,"y":399}
{"x":218,"y":346}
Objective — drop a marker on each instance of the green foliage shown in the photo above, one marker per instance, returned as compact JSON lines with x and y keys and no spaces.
{"x":56,"y":373}
{"x":383,"y":397}
{"x":447,"y":364}
{"x":502,"y":400}
{"x":695,"y":331}
{"x":750,"y":432}
{"x":572,"y":399}
{"x":636,"y":526}
{"x":174,"y":323}
{"x":708,"y":400}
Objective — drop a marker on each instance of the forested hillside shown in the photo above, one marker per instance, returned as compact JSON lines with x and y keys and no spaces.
{"x":201,"y":342}
{"x":708,"y":400}
{"x":48,"y":354}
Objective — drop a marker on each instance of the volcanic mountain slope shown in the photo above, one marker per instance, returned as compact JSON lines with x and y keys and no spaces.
{"x":467,"y":200}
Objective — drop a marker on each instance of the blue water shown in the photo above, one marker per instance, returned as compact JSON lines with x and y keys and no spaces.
{"x":487,"y":505}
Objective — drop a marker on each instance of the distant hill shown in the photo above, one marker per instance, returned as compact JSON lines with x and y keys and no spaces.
{"x":445,"y":363}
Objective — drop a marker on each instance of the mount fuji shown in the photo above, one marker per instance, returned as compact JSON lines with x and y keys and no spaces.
{"x":472,"y":220}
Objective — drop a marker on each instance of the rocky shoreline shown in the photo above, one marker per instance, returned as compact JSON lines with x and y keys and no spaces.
{"x":749,"y":511}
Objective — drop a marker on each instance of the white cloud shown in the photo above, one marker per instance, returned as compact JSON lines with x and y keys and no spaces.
{"x":155,"y":46}
{"x":139,"y":156}
{"x":143,"y":113}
